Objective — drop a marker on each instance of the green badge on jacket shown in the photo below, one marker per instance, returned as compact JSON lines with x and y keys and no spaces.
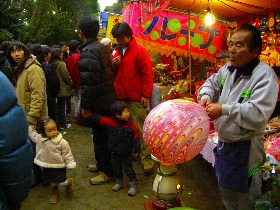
{"x":246,"y":94}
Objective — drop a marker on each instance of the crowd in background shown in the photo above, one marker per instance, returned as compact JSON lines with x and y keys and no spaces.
{"x":47,"y":80}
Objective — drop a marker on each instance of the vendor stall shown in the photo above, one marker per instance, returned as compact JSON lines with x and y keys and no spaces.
{"x":185,"y":51}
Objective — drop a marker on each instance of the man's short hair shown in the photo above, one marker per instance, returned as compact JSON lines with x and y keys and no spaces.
{"x":256,"y":39}
{"x":89,"y":26}
{"x":121,"y":29}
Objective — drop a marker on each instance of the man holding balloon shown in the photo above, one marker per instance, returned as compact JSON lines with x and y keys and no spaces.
{"x":240,"y":98}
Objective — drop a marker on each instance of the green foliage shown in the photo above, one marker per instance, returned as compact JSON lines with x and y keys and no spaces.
{"x":35,"y":21}
{"x":12,"y":20}
{"x":116,"y":7}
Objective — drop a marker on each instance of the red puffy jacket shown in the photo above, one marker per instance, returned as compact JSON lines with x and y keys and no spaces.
{"x":134,"y":77}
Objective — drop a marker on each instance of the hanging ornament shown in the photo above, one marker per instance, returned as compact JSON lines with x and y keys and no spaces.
{"x":271,"y":22}
{"x":263,"y":26}
{"x":257,"y":23}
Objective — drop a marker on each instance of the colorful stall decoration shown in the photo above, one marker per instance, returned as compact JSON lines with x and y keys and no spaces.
{"x":272,"y":147}
{"x":168,"y":32}
{"x":112,"y":21}
{"x":150,"y":8}
{"x":175,"y":131}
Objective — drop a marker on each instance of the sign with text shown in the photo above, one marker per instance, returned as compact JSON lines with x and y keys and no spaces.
{"x":170,"y":29}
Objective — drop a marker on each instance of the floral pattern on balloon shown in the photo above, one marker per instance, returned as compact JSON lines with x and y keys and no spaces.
{"x":175,"y":131}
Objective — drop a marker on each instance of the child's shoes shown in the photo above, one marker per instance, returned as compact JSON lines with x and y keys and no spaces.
{"x":55,"y":195}
{"x":132,"y":191}
{"x":117,"y":187}
{"x":69,"y":187}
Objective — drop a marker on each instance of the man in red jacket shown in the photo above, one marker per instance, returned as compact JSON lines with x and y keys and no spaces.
{"x":72,"y":62}
{"x":134,"y":81}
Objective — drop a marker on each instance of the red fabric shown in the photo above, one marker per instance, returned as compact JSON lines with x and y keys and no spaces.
{"x":72,"y":67}
{"x":134,"y":78}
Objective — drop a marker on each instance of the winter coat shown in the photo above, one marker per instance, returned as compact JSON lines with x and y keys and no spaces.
{"x":64,"y":78}
{"x":31,"y":92}
{"x":134,"y":76}
{"x":97,"y":77}
{"x":123,"y":136}
{"x":52,"y":80}
{"x":52,"y":153}
{"x":15,"y":149}
{"x":246,"y":104}
{"x":72,"y":67}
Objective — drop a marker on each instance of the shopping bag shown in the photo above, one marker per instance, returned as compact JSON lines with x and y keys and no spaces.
{"x":82,"y":121}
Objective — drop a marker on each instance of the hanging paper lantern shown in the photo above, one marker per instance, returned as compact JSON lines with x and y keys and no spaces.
{"x":175,"y":131}
{"x":272,"y":147}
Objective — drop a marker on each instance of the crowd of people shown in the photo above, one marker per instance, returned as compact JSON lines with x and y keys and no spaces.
{"x":112,"y":87}
{"x":45,"y":79}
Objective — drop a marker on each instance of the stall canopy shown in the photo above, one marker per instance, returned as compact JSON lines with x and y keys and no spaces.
{"x":223,"y":9}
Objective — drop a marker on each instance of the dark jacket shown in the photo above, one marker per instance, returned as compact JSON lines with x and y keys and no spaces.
{"x":97,"y":77}
{"x":4,"y":65}
{"x":15,"y":150}
{"x":52,"y":80}
{"x":123,"y":136}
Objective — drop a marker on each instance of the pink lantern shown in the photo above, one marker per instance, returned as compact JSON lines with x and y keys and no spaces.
{"x":176,"y":131}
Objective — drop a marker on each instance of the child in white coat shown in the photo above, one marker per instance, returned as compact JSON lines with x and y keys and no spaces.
{"x":53,"y":153}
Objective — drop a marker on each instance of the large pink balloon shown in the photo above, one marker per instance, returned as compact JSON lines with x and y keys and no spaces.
{"x":176,"y":131}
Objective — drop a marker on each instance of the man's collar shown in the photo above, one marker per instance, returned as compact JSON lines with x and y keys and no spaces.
{"x":247,"y":69}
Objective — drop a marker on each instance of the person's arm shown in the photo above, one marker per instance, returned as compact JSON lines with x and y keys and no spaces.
{"x":37,"y":85}
{"x":145,"y":71}
{"x":209,"y":92}
{"x":33,"y":135}
{"x":67,"y":155}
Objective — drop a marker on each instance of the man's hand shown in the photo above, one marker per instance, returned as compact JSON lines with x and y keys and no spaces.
{"x":145,"y":101}
{"x":214,"y":110}
{"x":204,"y":102}
{"x":86,"y":113}
{"x":116,"y":61}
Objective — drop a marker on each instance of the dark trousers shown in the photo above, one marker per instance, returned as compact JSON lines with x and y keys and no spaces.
{"x":61,"y":112}
{"x":52,"y":107}
{"x":123,"y":163}
{"x":36,"y":169}
{"x":68,"y":105}
{"x":102,"y":157}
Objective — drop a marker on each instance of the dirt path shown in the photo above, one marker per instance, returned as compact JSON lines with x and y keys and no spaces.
{"x":200,"y":191}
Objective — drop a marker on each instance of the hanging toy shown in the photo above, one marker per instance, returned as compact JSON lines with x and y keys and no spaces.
{"x":263,"y":26}
{"x":271,"y":22}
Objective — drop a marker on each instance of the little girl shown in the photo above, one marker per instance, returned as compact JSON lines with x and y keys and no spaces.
{"x":53,"y":153}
